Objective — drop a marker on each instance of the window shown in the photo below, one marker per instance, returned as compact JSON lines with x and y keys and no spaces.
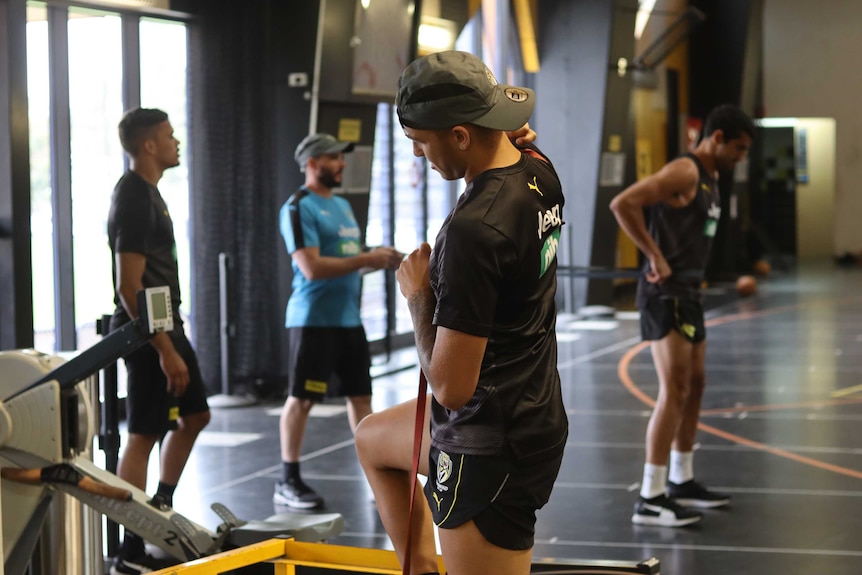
{"x":96,"y":106}
{"x":94,"y":50}
{"x":163,"y":85}
{"x":41,"y":214}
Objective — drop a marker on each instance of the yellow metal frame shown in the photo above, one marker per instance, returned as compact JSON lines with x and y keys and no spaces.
{"x":286,"y":554}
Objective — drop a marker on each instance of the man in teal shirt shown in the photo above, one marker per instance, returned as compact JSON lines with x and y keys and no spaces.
{"x":328,"y":349}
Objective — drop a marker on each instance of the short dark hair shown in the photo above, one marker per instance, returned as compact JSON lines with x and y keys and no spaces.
{"x":730,"y":120}
{"x":136,"y":126}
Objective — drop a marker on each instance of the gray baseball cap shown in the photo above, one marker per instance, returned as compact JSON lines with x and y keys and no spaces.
{"x":315,"y":145}
{"x":445,"y":89}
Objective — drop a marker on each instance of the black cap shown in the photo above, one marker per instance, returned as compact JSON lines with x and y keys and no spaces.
{"x":445,"y":89}
{"x":315,"y":145}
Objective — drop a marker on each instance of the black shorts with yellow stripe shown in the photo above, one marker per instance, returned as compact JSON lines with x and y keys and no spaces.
{"x":328,"y":362}
{"x":661,"y":314}
{"x":501,"y":497}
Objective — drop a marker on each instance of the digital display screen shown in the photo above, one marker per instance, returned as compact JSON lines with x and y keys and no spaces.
{"x":159,"y":306}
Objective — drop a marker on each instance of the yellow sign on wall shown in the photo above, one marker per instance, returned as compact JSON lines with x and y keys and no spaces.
{"x":349,"y":129}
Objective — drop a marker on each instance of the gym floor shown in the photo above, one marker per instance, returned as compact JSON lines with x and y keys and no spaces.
{"x":780,"y":433}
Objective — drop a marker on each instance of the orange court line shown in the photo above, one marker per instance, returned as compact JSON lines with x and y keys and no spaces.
{"x":625,"y":378}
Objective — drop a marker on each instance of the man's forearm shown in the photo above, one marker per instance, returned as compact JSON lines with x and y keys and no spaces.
{"x":161,"y":341}
{"x":633,"y":224}
{"x":421,"y":305}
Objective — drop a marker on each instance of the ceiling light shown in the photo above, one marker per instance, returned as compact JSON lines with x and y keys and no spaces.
{"x":644,"y":10}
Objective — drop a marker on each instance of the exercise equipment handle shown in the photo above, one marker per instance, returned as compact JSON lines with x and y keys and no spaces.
{"x":64,"y":474}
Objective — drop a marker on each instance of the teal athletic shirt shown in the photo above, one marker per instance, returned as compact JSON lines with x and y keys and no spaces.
{"x":308,"y":220}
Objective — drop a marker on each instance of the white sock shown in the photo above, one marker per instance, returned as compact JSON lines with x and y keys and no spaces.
{"x":681,"y":466}
{"x":655,"y":477}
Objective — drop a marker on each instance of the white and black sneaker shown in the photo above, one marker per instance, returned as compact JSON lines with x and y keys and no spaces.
{"x":297,"y":495}
{"x":693,"y":494}
{"x":663,"y":511}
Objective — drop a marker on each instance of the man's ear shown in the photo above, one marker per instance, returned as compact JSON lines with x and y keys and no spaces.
{"x":462,"y":137}
{"x":718,"y":137}
{"x":148,"y":145}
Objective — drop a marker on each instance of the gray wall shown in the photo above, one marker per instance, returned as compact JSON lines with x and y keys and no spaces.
{"x":580,"y":102}
{"x":811,"y":54}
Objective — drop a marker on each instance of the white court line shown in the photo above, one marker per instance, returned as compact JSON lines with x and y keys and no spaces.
{"x":554,"y":541}
{"x":274,"y":468}
{"x":225,"y":438}
{"x":685,"y":547}
{"x":732,"y":447}
{"x":759,"y":415}
{"x":317,"y":410}
{"x":715,"y":366}
{"x":736,"y":490}
{"x":600,"y":352}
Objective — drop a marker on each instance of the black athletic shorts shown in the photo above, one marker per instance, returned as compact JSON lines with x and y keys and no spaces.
{"x":329,"y":362}
{"x":147,"y":402}
{"x":499,"y":496}
{"x":660,"y":314}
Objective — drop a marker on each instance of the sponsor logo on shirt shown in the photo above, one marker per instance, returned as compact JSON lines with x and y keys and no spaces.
{"x":714,"y":211}
{"x":345,"y":232}
{"x":549,"y":219}
{"x":349,"y":248}
{"x":535,"y":187}
{"x":549,"y":251}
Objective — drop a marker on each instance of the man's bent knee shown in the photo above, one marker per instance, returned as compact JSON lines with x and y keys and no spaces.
{"x":195,"y":422}
{"x":367,"y":435}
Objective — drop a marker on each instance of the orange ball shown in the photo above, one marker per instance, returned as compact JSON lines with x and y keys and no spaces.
{"x":761,"y":268}
{"x":746,"y":286}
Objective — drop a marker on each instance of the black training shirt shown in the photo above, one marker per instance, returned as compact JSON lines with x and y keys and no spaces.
{"x":493,"y":272}
{"x":684,"y":236}
{"x":139,"y":222}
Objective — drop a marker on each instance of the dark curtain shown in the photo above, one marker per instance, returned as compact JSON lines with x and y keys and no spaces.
{"x":234,"y":197}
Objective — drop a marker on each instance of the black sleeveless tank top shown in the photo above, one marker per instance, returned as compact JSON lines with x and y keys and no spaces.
{"x":684,"y":236}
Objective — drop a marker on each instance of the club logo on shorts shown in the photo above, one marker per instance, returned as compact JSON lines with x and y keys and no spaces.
{"x":444,"y":470}
{"x":688,"y":330}
{"x":315,"y":386}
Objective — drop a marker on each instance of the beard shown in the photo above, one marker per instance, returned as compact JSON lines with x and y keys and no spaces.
{"x":329,"y":178}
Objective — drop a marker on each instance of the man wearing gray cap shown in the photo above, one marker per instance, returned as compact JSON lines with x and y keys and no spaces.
{"x":328,"y":349}
{"x":482,"y":304}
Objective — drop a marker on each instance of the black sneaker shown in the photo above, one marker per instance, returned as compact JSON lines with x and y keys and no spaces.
{"x":297,"y":495}
{"x":136,"y":565}
{"x":693,"y":494}
{"x":160,"y":502}
{"x":661,"y":510}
